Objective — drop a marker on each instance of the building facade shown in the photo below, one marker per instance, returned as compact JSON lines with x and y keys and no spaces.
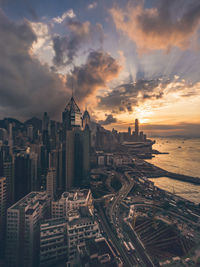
{"x":22,"y":233}
{"x":53,"y":242}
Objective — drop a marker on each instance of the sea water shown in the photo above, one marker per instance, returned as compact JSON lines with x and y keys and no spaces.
{"x":183,"y":158}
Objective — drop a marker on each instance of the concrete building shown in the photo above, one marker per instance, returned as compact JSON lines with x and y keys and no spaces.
{"x":97,"y":252}
{"x":71,"y":200}
{"x":81,"y":226}
{"x":53,"y":242}
{"x":3,"y":208}
{"x":51,"y":183}
{"x":22,"y":236}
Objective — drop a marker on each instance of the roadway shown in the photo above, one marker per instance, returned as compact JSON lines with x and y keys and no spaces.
{"x":115,"y":218}
{"x":112,"y":236}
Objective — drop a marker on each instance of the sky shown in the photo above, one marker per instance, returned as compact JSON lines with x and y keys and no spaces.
{"x":123,"y":59}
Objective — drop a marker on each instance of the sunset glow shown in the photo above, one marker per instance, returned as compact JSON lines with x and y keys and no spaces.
{"x":123,"y":65}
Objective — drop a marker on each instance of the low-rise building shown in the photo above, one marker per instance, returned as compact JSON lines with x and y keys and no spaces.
{"x":81,"y":226}
{"x":73,"y":199}
{"x":97,"y":252}
{"x":53,"y":242}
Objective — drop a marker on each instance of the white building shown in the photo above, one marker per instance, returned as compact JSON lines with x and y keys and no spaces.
{"x":72,"y":200}
{"x":22,"y":237}
{"x":53,"y":242}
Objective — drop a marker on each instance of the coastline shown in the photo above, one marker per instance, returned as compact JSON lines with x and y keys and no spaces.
{"x":159,"y":172}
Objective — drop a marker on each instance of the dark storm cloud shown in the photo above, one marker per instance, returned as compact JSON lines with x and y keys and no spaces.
{"x":99,"y":69}
{"x":109,"y":119}
{"x":27,"y":87}
{"x":66,"y":47}
{"x":125,"y":97}
{"x":171,"y":23}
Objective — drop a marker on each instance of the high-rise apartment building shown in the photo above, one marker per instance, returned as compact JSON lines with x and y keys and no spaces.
{"x":8,"y":172}
{"x":23,"y":228}
{"x":3,"y":208}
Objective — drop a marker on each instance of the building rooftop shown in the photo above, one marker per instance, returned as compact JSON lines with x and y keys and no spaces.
{"x":76,"y":194}
{"x":52,"y":222}
{"x":29,"y":199}
{"x":98,"y":252}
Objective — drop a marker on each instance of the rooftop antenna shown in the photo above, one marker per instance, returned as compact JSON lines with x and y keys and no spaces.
{"x":72,"y":88}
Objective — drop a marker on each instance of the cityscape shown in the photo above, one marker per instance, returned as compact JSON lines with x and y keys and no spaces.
{"x":75,"y":194}
{"x":99,"y":133}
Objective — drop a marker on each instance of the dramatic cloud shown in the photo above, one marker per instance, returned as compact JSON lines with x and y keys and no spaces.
{"x":126,"y":97}
{"x":172,"y":23}
{"x":66,"y":47}
{"x":100,"y":68}
{"x":27,"y":87}
{"x":109,"y":119}
{"x":68,"y":14}
{"x":41,"y":31}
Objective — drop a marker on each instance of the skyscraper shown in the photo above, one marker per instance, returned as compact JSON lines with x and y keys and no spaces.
{"x":77,"y":145}
{"x":51,"y":182}
{"x":22,"y":175}
{"x":86,"y":119}
{"x":129,"y":131}
{"x":45,"y":122}
{"x":136,"y":127}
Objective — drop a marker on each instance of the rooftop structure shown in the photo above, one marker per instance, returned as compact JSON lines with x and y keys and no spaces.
{"x":72,"y":200}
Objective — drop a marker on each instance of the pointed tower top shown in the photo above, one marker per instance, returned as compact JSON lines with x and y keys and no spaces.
{"x":72,"y":106}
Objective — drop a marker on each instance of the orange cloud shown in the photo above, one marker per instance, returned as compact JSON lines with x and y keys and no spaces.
{"x":156,"y":28}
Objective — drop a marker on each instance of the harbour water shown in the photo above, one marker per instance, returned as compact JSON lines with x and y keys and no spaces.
{"x":183,"y":158}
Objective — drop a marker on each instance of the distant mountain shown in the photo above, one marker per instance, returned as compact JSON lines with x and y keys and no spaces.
{"x":5,"y":123}
{"x":35,"y":122}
